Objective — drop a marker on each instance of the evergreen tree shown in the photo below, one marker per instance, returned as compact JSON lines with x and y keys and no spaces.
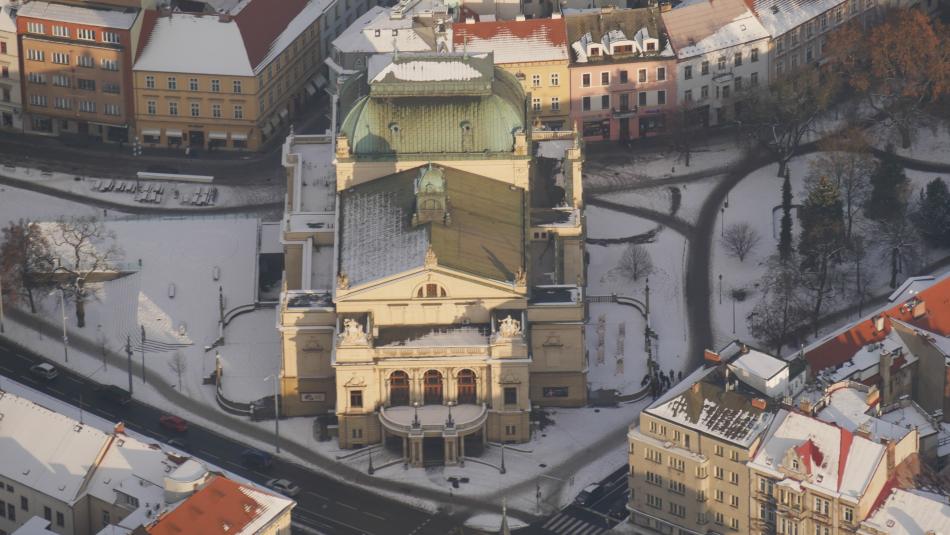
{"x":888,"y":189}
{"x":932,"y":216}
{"x":785,"y":234}
{"x":822,"y":222}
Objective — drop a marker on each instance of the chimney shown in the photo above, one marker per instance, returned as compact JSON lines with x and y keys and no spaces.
{"x":520,"y":18}
{"x":805,"y":406}
{"x":555,"y":16}
{"x":119,"y":428}
{"x":711,"y":357}
{"x":743,"y":349}
{"x":891,"y":457}
{"x":224,"y":17}
{"x":695,"y":387}
{"x":758,"y":403}
{"x":864,"y":430}
{"x":919,"y":309}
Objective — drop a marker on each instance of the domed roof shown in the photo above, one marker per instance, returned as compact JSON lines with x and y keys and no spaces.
{"x":437,"y":104}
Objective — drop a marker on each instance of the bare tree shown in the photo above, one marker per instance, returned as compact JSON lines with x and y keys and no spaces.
{"x":85,"y":247}
{"x":636,"y":262}
{"x":847,"y":162}
{"x":900,"y":241}
{"x":178,"y":365}
{"x":739,"y":239}
{"x":782,"y":307}
{"x":103,"y":342}
{"x":683,"y":126}
{"x":25,"y":262}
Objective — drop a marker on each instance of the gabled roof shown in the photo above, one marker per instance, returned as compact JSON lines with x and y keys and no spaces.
{"x":706,"y":26}
{"x":485,"y":236}
{"x":780,"y":16}
{"x":841,"y":346}
{"x":121,"y":18}
{"x":635,"y":24}
{"x":514,"y":41}
{"x":906,"y":513}
{"x":223,"y":507}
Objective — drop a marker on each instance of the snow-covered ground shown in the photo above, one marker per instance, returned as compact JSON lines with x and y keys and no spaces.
{"x":660,"y":198}
{"x":931,"y":143}
{"x":643,"y":167}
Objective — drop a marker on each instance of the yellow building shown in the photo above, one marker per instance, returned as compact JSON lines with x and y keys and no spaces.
{"x":231,"y":80}
{"x":535,"y":52}
{"x":452,"y":303}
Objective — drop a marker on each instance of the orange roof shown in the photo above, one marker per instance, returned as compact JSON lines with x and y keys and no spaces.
{"x":514,"y":41}
{"x":262,"y":21}
{"x":221,"y":507}
{"x":838,"y":350}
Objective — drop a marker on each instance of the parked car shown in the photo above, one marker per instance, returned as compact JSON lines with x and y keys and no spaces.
{"x":173,"y":423}
{"x":44,"y":371}
{"x":114,"y":394}
{"x":256,"y":458}
{"x":284,"y":486}
{"x":589,"y":495}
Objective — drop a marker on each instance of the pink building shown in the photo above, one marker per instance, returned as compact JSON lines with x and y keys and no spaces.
{"x":623,"y":73}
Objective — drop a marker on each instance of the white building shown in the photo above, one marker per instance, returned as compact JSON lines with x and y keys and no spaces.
{"x":762,"y":372}
{"x":11,"y":107}
{"x":909,"y":513}
{"x":721,"y":52}
{"x":77,"y":479}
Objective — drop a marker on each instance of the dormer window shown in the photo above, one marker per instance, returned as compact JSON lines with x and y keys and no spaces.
{"x":429,"y":291}
{"x":795,"y":464}
{"x":651,"y":46}
{"x":623,"y":49}
{"x":595,"y":51}
{"x":376,"y":33}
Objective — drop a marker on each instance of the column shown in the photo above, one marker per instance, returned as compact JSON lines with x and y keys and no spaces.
{"x":462,"y":448}
{"x":451,"y":458}
{"x":405,"y":449}
{"x":415,"y":451}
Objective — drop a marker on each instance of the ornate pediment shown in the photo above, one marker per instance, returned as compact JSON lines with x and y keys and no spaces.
{"x":355,"y":380}
{"x":509,"y":379}
{"x":553,"y":340}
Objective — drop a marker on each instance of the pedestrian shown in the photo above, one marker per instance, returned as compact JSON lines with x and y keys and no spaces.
{"x":187,"y":151}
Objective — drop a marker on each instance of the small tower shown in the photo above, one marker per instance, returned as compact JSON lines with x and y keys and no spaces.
{"x":432,"y":201}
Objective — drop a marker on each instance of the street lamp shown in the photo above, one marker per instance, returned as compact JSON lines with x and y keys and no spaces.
{"x":449,"y":422}
{"x":502,"y":470}
{"x":62,"y":304}
{"x":415,"y":416}
{"x":1,"y":302}
{"x":722,"y":222}
{"x":276,"y":412}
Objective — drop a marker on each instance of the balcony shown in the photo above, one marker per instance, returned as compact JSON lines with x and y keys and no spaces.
{"x":433,"y":420}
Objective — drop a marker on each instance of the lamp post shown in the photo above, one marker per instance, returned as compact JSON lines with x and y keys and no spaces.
{"x":128,"y":354}
{"x":503,"y":469}
{"x":415,"y":416}
{"x":1,"y":302}
{"x":143,"y":353}
{"x":722,"y":222}
{"x":276,"y":412}
{"x":450,"y":422}
{"x":62,"y":304}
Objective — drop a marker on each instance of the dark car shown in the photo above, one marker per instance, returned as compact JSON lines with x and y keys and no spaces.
{"x":589,"y":495}
{"x":44,"y":371}
{"x":114,"y":394}
{"x":173,"y":423}
{"x":256,"y":458}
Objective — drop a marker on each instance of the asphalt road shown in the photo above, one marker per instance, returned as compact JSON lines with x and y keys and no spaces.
{"x":324,"y":506}
{"x":600,"y":516}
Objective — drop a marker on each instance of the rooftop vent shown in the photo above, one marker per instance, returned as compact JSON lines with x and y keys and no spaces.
{"x":774,"y":9}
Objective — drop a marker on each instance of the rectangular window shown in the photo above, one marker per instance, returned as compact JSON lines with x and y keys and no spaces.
{"x":642,"y":98}
{"x":624,"y":101}
{"x":704,"y":92}
{"x":585,"y":79}
{"x":24,"y":503}
{"x":737,"y":59}
{"x":738,"y":83}
{"x":642,"y":75}
{"x":150,"y":82}
{"x":722,"y":63}
{"x":36,"y":78}
{"x":216,"y":111}
{"x":719,"y":495}
{"x":172,"y":82}
{"x":719,"y":451}
{"x":87,"y":106}
{"x":555,"y":103}
{"x":718,"y":472}
{"x":192,"y":84}
{"x":660,"y":74}
{"x":654,"y":479}
{"x":106,"y":519}
{"x":35,"y":27}
{"x":688,"y":95}
{"x":110,"y":37}
{"x":36,"y":55}
{"x":688,"y":72}
{"x":173,"y":109}
{"x":357,"y":433}
{"x":60,"y":519}
{"x":605,"y":78}
{"x":605,"y":102}
{"x":86,"y":61}
{"x":60,"y":31}
{"x":536,"y":104}
{"x":86,"y":85}
{"x":38,"y":100}
{"x":585,"y":103}
{"x":623,"y":77}
{"x":654,"y":502}
{"x":511,"y":395}
{"x":195,"y":109}
{"x":356,"y":399}
{"x":536,"y":80}
{"x":3,"y":509}
{"x":734,"y":501}
{"x":725,"y":91}
{"x":110,"y":87}
{"x":848,"y":514}
{"x":47,"y":513}
{"x":555,"y":79}
{"x":236,"y":86}
{"x":62,"y":103}
{"x":705,"y":68}
{"x":238,"y":111}
{"x":215,"y":86}
{"x":86,"y":34}
{"x":661,"y":98}
{"x":11,"y":512}
{"x":112,"y":109}
{"x":110,"y":64}
{"x":754,"y":55}
{"x":3,"y":47}
{"x":511,"y":430}
{"x":151,"y":107}
{"x":61,"y":80}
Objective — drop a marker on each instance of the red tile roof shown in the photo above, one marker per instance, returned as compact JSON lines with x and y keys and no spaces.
{"x":846,"y":439}
{"x":841,"y":348}
{"x":220,"y":508}
{"x":552,"y":31}
{"x":262,"y":21}
{"x":810,"y":454}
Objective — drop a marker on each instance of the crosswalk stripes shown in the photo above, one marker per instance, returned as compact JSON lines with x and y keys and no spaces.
{"x":564,"y":524}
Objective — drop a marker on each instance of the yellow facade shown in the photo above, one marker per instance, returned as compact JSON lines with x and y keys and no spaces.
{"x":547,"y":84}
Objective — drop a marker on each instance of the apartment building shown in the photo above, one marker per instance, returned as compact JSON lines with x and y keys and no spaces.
{"x":83,"y":478}
{"x":229,"y":80}
{"x":810,"y":476}
{"x":908,"y":513}
{"x":76,"y":64}
{"x":11,"y":102}
{"x":799,"y":28}
{"x":721,"y":54}
{"x":535,"y":51}
{"x":623,"y":73}
{"x":688,"y":455}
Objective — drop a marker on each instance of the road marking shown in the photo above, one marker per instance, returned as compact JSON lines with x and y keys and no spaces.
{"x":307,"y":512}
{"x":7,"y":371}
{"x":374,"y":515}
{"x":315,"y":495}
{"x":53,"y":390}
{"x":27,"y":359}
{"x":109,"y":414}
{"x":30,"y":380}
{"x":348,"y":506}
{"x":73,"y":379}
{"x":206,"y":453}
{"x":262,"y":474}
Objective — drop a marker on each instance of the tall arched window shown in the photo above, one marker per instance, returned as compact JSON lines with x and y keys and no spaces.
{"x":399,"y":388}
{"x":432,"y":388}
{"x":430,"y":290}
{"x":466,"y":387}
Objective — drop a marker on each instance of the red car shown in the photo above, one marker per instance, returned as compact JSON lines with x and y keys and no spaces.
{"x":173,"y":423}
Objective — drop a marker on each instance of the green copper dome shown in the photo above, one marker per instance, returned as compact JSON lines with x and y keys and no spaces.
{"x":447,"y":103}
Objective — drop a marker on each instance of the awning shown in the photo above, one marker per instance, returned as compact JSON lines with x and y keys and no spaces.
{"x":151,"y":132}
{"x":239,"y":137}
{"x":172,"y":133}
{"x":217,"y":135}
{"x":283,"y":113}
{"x":320,"y":80}
{"x":311,"y":90}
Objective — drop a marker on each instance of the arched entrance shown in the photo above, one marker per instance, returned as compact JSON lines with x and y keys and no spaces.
{"x":432,"y":388}
{"x":398,"y":388}
{"x":466,"y":387}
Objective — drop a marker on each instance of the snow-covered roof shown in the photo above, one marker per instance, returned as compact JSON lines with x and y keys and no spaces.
{"x":112,"y":17}
{"x":441,"y":336}
{"x":195,"y":44}
{"x":780,"y":16}
{"x":832,"y":459}
{"x":759,"y":364}
{"x":429,"y":71}
{"x":706,"y":26}
{"x":35,"y":526}
{"x":361,"y":35}
{"x":134,"y":468}
{"x":847,"y":407}
{"x":298,"y":25}
{"x":708,"y":407}
{"x":45,"y":450}
{"x":7,"y":17}
{"x":909,"y":416}
{"x":514,"y":41}
{"x":906,"y":513}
